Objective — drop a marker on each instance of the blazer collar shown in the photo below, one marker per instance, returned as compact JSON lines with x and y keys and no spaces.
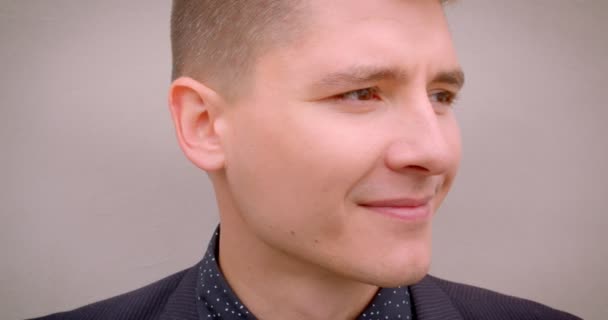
{"x":432,"y":303}
{"x":181,"y":304}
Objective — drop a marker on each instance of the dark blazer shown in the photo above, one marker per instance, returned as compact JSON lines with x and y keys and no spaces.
{"x":174,"y":298}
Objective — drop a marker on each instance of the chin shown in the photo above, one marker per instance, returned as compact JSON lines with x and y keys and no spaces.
{"x":409,"y":277}
{"x":396,"y":269}
{"x":405,"y":264}
{"x":402,"y":274}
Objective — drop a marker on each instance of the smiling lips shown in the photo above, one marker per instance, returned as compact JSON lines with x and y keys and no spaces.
{"x":409,"y":209}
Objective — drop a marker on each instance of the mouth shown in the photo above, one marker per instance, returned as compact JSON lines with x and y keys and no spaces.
{"x":405,"y":209}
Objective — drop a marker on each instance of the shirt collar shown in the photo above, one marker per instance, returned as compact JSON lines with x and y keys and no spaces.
{"x":216,"y":300}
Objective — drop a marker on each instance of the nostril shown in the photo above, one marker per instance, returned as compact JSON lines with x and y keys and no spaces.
{"x":418,"y":168}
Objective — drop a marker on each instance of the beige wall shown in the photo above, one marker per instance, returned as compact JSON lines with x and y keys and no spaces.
{"x":96,"y":198}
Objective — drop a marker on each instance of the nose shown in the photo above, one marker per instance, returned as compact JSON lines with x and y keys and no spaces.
{"x":425,"y":140}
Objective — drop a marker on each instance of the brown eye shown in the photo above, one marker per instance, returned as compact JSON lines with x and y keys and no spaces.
{"x":442,"y":97}
{"x":361,"y":95}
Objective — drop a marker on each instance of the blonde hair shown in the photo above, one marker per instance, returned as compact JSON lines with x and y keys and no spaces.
{"x":217,"y":41}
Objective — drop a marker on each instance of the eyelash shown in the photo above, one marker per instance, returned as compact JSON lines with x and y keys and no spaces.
{"x":443,"y":97}
{"x":371,"y":93}
{"x":448,"y":98}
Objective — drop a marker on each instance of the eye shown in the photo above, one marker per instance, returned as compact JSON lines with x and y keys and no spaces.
{"x":366,"y":94}
{"x":445,"y":98}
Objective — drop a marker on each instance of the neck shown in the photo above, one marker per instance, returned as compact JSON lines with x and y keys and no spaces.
{"x":274,"y":285}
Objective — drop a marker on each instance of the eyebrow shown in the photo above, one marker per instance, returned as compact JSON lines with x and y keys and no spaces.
{"x":454,"y":77}
{"x":360,"y":75}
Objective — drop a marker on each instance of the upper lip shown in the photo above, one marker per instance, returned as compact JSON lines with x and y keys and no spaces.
{"x":398,"y":202}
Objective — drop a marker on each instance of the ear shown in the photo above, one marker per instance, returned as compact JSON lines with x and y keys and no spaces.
{"x":196,"y":111}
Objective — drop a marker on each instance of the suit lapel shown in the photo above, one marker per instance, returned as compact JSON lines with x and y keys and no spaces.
{"x":432,"y":303}
{"x":181,"y":305}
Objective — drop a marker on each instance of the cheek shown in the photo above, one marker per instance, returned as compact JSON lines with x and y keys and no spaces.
{"x":296,"y":168}
{"x":453,"y":138}
{"x":451,"y":133}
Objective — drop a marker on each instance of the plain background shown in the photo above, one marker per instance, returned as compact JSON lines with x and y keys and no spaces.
{"x":96,"y":199}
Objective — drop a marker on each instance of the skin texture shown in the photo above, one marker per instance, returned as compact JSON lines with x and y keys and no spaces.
{"x":296,"y":161}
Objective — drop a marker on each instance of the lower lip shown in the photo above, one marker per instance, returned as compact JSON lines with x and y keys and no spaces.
{"x":412,"y":214}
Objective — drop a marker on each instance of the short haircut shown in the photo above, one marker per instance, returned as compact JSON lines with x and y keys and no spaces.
{"x":218,"y":41}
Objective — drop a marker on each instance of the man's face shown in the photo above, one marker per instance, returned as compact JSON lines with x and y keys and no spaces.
{"x":347,"y":144}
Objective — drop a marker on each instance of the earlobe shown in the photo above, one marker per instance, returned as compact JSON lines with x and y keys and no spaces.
{"x":195,"y":110}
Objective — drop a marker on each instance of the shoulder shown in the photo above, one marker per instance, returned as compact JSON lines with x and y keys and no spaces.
{"x":478,"y":303}
{"x":144,"y":303}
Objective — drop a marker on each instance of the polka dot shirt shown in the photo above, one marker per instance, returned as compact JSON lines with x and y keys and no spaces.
{"x":216,"y":300}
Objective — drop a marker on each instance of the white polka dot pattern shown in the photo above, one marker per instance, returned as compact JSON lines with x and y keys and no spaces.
{"x":389,"y":303}
{"x":216,"y":300}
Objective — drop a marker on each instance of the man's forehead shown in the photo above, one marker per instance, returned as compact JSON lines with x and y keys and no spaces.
{"x":359,"y":25}
{"x":383,"y":46}
{"x":418,"y":12}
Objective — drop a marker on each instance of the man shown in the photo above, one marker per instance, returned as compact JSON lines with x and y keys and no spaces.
{"x":327,"y":130}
